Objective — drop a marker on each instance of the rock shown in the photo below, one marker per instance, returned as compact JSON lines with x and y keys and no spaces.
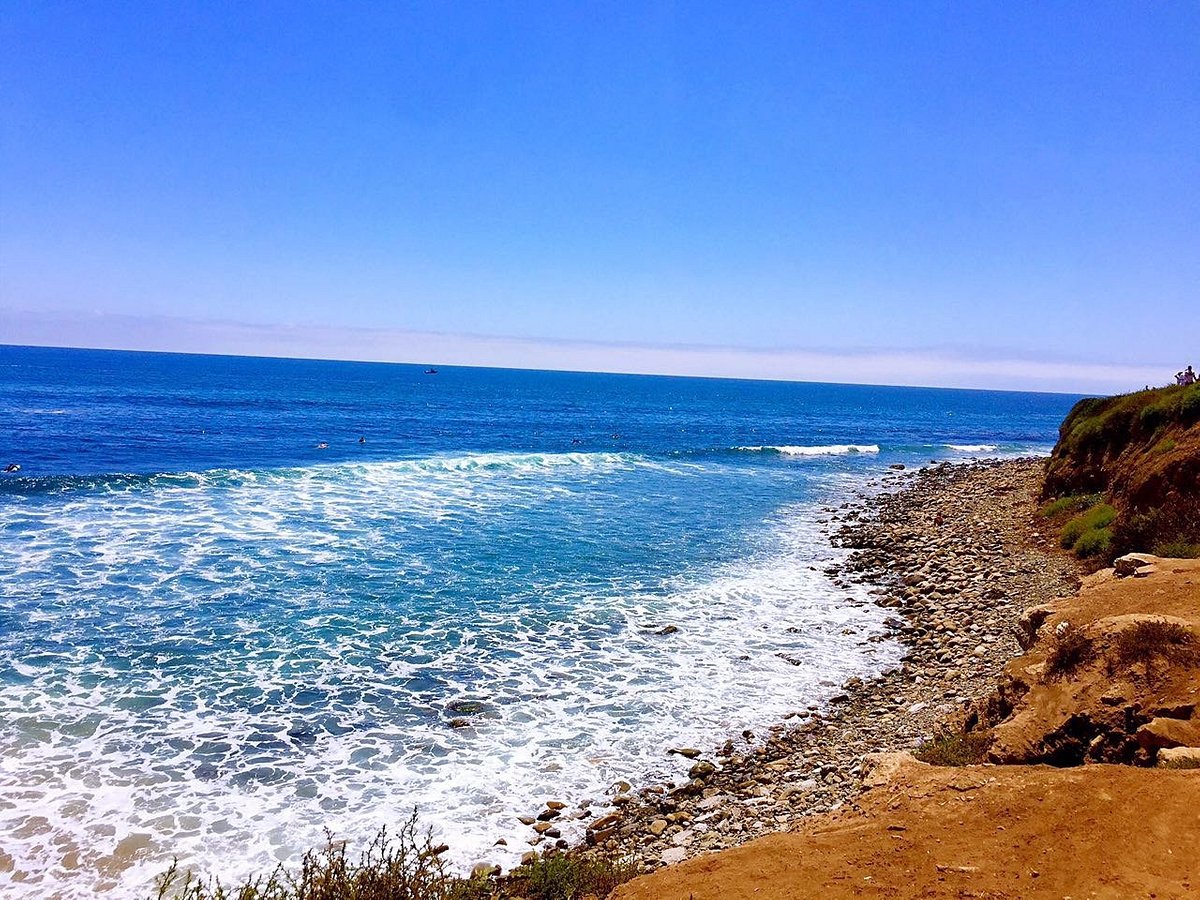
{"x":529,"y":857}
{"x":657,"y":827}
{"x":667,"y":629}
{"x":673,"y":855}
{"x":899,"y":467}
{"x":599,"y":837}
{"x":1124,"y":566}
{"x":526,"y":820}
{"x":555,"y":805}
{"x":1179,"y":758}
{"x":485,"y":870}
{"x":1158,"y":734}
{"x":689,"y":752}
{"x":605,"y":822}
{"x":547,"y":814}
{"x":439,"y":849}
{"x":702,"y":769}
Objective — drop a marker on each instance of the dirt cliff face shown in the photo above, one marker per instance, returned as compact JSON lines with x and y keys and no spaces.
{"x":1111,"y":675}
{"x":1142,"y":452}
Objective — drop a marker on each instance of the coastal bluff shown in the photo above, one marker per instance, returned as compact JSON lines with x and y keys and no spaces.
{"x":1139,"y":455}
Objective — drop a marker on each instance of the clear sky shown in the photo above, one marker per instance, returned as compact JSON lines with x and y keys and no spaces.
{"x":979,"y":194}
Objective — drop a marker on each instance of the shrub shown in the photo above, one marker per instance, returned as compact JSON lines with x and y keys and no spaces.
{"x":965,"y":749}
{"x":406,"y":867}
{"x":1070,"y":650}
{"x":1189,"y":404}
{"x":1094,"y":542}
{"x":1147,"y":640}
{"x":1177,"y":550}
{"x":1071,"y":503}
{"x":402,"y":866}
{"x":570,"y":876}
{"x":1096,"y":518}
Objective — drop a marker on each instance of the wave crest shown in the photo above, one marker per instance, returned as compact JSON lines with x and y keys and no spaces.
{"x":817,"y":450}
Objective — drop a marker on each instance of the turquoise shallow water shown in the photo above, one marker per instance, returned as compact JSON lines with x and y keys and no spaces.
{"x":218,"y":637}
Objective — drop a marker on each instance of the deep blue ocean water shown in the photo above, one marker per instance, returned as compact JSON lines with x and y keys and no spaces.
{"x":226,"y":622}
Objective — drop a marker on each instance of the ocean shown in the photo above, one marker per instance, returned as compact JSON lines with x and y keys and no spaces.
{"x":245,"y":600}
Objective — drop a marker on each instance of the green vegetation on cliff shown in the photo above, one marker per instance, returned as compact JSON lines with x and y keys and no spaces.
{"x":1140,"y":453}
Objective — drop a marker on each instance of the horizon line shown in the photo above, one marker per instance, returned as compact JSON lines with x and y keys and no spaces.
{"x":500,"y":368}
{"x":946,"y":368}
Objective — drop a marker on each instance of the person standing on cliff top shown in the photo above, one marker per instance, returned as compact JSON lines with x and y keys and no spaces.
{"x":1189,"y":377}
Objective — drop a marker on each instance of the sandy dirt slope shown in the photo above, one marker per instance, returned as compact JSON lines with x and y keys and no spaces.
{"x":1012,"y":832}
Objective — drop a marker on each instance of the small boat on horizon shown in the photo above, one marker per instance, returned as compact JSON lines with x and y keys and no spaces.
{"x":431,"y":371}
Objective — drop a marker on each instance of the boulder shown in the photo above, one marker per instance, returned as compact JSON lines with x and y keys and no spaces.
{"x":1158,"y":734}
{"x":1130,"y":563}
{"x":1179,"y":758}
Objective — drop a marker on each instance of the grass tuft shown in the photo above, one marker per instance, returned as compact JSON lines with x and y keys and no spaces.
{"x":572,"y":877}
{"x":1069,"y":650}
{"x":963,"y":749}
{"x":1146,"y":641}
{"x":1094,"y":542}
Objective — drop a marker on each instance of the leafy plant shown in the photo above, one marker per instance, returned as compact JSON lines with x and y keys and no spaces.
{"x":1098,"y":517}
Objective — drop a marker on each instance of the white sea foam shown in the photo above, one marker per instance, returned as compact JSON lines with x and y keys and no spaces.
{"x":973,"y":448}
{"x":820,"y":450}
{"x":259,"y":678}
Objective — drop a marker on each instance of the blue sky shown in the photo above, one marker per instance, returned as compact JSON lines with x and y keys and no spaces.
{"x":976,"y":194}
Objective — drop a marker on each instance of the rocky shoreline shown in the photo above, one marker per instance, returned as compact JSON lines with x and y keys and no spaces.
{"x":956,"y":554}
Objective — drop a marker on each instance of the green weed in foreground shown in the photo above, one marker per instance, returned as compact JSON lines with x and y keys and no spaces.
{"x":568,"y":877}
{"x":966,"y":749}
{"x":404,"y":865}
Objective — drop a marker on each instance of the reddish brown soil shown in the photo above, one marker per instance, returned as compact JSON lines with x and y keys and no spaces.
{"x":996,"y":832}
